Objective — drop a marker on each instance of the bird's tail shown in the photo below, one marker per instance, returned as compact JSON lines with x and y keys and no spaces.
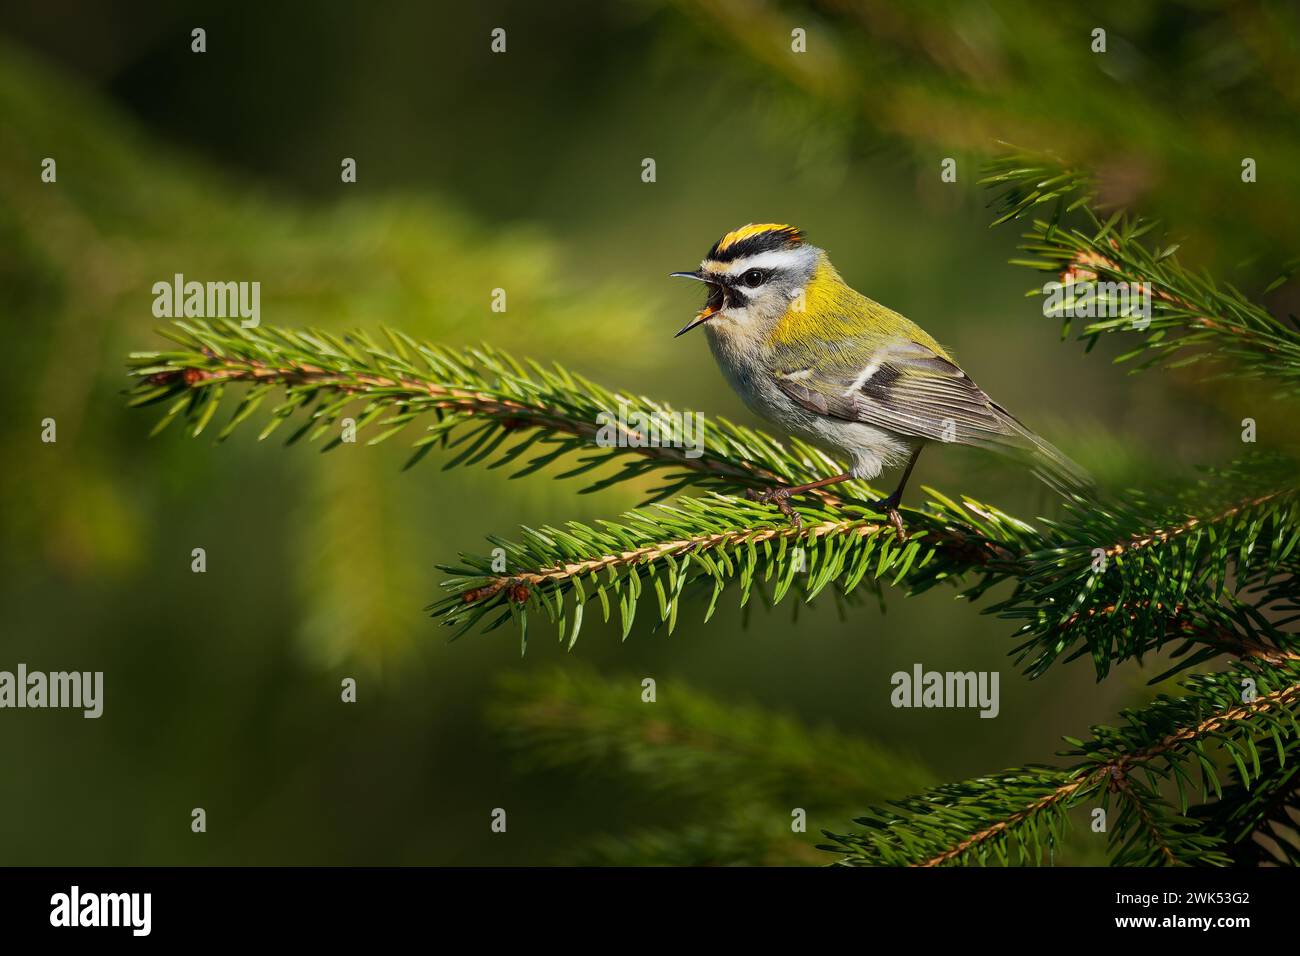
{"x":1048,"y":463}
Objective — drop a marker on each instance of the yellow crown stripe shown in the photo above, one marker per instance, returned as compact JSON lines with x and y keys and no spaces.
{"x":753,"y":229}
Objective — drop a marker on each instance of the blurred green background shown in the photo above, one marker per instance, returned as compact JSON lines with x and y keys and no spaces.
{"x":522,"y":171}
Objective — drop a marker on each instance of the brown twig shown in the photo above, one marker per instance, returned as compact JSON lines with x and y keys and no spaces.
{"x":1164,"y":534}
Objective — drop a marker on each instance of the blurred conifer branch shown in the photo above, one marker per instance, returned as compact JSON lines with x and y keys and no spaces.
{"x":931,"y":80}
{"x":1023,"y":181}
{"x":743,"y":768}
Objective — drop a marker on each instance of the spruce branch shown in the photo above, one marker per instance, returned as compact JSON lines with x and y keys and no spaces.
{"x":1114,"y":583}
{"x":1192,"y":317}
{"x":1212,"y":569}
{"x":1260,"y":824}
{"x":1151,"y":771}
{"x":708,"y":544}
{"x":482,"y":402}
{"x":1023,"y":180}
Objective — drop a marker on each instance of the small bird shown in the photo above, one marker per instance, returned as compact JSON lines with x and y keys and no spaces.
{"x":805,"y":350}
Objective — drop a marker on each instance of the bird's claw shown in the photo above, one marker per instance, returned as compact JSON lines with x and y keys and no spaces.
{"x":779,"y":497}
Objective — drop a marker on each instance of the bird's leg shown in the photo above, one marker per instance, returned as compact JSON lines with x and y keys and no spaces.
{"x":890,"y":505}
{"x":780,"y":496}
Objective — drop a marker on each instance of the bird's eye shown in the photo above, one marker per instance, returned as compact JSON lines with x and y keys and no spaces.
{"x":754,"y":278}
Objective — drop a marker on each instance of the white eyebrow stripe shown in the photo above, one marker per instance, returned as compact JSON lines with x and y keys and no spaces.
{"x":774,"y":259}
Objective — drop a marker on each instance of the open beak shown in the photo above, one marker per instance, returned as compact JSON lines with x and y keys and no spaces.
{"x":709,"y":310}
{"x":700,"y":318}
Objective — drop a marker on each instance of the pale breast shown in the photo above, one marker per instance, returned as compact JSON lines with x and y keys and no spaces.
{"x":867,"y":449}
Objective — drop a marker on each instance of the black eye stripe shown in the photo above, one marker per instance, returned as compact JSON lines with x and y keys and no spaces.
{"x":739,"y":292}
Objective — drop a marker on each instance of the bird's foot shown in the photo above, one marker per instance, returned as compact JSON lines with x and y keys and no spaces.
{"x":779,"y":497}
{"x":890,"y":508}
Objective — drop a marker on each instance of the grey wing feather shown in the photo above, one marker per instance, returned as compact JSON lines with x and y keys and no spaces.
{"x":908,"y":389}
